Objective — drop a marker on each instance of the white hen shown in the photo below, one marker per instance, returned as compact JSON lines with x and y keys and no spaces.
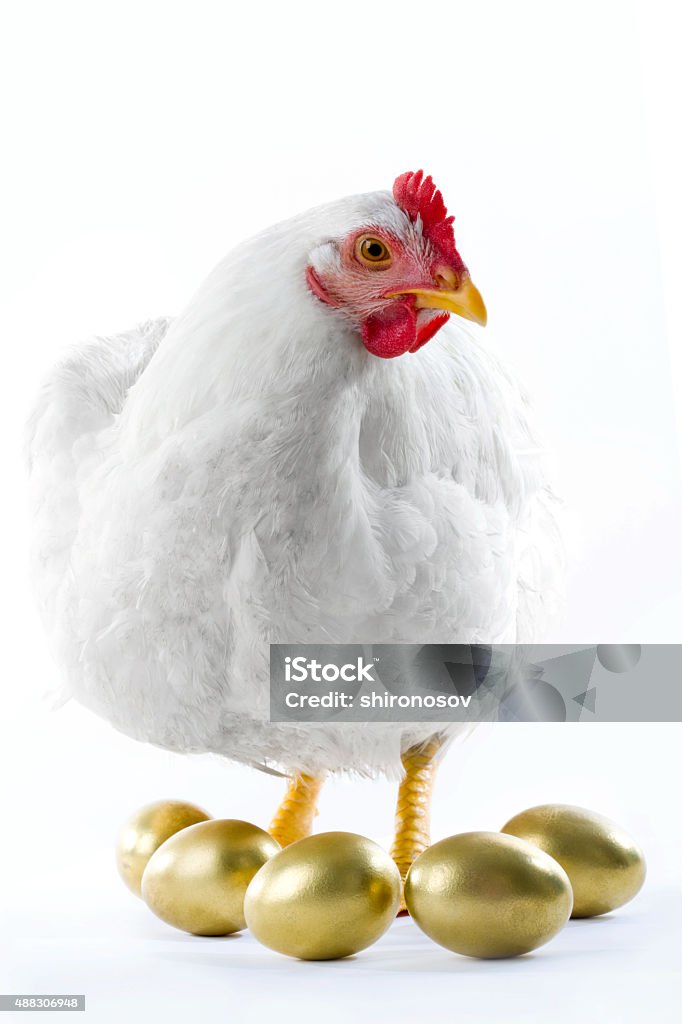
{"x":260,"y":470}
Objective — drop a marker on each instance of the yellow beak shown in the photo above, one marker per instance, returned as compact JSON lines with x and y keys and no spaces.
{"x":465,"y":300}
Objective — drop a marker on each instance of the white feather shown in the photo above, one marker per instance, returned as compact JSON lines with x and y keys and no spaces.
{"x":251,"y":474}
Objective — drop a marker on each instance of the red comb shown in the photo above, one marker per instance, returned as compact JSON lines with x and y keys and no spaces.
{"x":417,"y":196}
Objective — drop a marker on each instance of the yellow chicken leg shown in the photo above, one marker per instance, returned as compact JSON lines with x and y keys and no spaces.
{"x":294,"y":817}
{"x":413,"y":810}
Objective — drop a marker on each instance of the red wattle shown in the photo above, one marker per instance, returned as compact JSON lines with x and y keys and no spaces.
{"x":392,"y":332}
{"x":427,"y":330}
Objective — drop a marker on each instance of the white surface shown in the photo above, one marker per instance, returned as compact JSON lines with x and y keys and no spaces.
{"x":70,"y":925}
{"x":147,"y":138}
{"x":618,"y":968}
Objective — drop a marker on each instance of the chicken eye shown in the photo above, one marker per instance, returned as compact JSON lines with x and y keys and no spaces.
{"x":373,"y":251}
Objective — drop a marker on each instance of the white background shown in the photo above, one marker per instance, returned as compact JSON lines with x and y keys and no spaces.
{"x":140,"y":142}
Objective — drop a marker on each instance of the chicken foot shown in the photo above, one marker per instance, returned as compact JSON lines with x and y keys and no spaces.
{"x":294,"y":817}
{"x":413,"y":810}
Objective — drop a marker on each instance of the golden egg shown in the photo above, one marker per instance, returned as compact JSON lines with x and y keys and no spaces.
{"x":324,"y":897}
{"x":488,"y":895}
{"x":146,"y":830}
{"x":605,"y":866}
{"x":197,"y":880}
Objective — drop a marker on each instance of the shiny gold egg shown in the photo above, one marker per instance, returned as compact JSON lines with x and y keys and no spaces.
{"x":324,"y":897}
{"x":197,"y":880}
{"x":146,"y":830}
{"x":605,"y":866}
{"x":487,"y":895}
